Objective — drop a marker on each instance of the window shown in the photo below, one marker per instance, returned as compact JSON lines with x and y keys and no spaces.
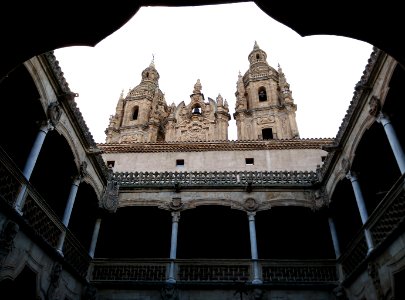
{"x":267,"y":133}
{"x":110,"y":163}
{"x":249,"y":161}
{"x":196,"y":110}
{"x":262,"y":94}
{"x":179,"y":162}
{"x":135,"y":113}
{"x":323,"y":158}
{"x":257,"y":56}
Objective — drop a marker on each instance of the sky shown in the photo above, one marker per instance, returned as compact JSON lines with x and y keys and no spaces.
{"x":212,"y":43}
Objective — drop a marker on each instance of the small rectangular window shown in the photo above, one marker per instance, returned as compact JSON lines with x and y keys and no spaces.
{"x":267,"y":133}
{"x":250,"y":161}
{"x":179,"y":162}
{"x":110,"y":163}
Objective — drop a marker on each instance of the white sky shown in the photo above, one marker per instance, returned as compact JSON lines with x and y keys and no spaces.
{"x":212,"y":43}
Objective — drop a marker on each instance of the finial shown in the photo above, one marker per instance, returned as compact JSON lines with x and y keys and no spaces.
{"x":240,"y":74}
{"x":256,"y":46}
{"x":220,"y":100}
{"x":122,"y":94}
{"x":152,"y":63}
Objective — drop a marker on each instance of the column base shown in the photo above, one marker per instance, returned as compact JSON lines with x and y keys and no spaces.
{"x":257,"y":281}
{"x":60,"y":252}
{"x":171,"y":280}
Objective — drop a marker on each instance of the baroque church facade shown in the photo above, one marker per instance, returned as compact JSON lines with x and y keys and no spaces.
{"x":169,"y":208}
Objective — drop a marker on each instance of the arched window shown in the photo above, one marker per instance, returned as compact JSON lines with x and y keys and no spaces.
{"x":196,"y":110}
{"x":135,"y":113}
{"x":247,"y":100}
{"x":262,"y":94}
{"x":257,"y":56}
{"x":267,"y":133}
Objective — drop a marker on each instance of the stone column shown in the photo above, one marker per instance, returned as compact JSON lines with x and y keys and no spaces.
{"x":253,"y":248}
{"x":173,"y":245}
{"x":335,"y":240}
{"x":30,"y":164}
{"x":94,"y":237}
{"x":68,"y":210}
{"x":393,"y":140}
{"x":361,"y":206}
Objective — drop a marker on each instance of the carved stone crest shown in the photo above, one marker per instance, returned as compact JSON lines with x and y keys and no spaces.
{"x":83,"y":169}
{"x":345,"y":165}
{"x":321,"y":198}
{"x":176,"y":204}
{"x":250,"y":204}
{"x":109,"y":200}
{"x":169,"y":292}
{"x":375,"y":106}
{"x":54,"y":113}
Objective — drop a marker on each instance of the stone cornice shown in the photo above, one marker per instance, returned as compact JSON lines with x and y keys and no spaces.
{"x":361,"y":91}
{"x":216,"y":146}
{"x":66,"y":98}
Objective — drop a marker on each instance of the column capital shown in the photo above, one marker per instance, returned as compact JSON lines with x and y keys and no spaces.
{"x":251,"y":215}
{"x":77,"y":180}
{"x":175,"y":216}
{"x":46,"y":126}
{"x":352,"y":176}
{"x":383,"y":118}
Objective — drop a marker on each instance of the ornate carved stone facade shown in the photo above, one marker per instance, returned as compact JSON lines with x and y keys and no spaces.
{"x":199,"y":120}
{"x":139,"y":115}
{"x":144,"y":116}
{"x":264,"y":107}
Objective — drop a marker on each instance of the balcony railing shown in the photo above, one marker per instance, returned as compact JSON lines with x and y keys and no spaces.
{"x":199,"y":178}
{"x":383,"y":224}
{"x":214,"y":271}
{"x":39,"y":216}
{"x":386,"y":219}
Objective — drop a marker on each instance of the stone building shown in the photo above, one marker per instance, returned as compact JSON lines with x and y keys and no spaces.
{"x":143,"y":115}
{"x":264,"y":108}
{"x":71,"y":228}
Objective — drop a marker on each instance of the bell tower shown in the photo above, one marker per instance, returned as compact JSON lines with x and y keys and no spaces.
{"x":140,"y":114}
{"x":264,"y":108}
